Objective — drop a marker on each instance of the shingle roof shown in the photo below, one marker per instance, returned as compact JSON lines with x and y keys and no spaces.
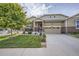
{"x":31,"y":17}
{"x":74,"y":16}
{"x":54,"y":15}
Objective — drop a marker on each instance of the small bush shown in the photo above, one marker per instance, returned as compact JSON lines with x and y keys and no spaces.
{"x":29,"y":31}
{"x":43,"y":38}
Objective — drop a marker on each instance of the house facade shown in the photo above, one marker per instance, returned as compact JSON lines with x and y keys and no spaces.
{"x":56,"y":23}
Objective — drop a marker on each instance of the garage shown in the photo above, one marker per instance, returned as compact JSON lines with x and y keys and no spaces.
{"x":53,"y":30}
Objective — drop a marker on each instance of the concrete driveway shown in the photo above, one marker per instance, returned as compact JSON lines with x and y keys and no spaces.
{"x":57,"y":45}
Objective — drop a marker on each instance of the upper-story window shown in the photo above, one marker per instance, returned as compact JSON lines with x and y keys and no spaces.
{"x":54,"y":16}
{"x":77,"y":24}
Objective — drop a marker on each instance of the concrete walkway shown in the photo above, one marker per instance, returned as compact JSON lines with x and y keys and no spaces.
{"x":57,"y":45}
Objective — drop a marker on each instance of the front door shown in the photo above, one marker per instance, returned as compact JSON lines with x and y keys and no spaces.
{"x":38,"y":26}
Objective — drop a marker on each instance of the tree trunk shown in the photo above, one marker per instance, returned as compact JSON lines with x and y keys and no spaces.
{"x":11,"y":32}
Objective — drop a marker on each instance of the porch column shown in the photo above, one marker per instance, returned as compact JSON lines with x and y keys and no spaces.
{"x":43,"y":25}
{"x":66,"y":26}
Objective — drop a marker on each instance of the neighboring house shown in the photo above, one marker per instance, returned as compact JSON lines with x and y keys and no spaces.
{"x":55,"y":23}
{"x":3,"y":32}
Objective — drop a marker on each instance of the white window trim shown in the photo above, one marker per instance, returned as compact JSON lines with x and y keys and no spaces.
{"x":76,"y":24}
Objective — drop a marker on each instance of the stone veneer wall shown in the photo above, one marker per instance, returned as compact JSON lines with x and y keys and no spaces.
{"x":72,"y":29}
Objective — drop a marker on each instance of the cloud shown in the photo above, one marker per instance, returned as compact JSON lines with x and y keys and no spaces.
{"x":35,"y":9}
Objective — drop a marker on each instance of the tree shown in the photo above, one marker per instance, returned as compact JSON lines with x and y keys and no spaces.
{"x":12,"y":16}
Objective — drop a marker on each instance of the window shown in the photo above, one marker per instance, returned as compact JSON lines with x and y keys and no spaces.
{"x":77,"y":24}
{"x":54,"y":16}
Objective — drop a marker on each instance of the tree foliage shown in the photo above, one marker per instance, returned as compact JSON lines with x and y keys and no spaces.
{"x":12,"y":16}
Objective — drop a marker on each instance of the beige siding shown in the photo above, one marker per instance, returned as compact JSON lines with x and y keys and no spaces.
{"x":72,"y":21}
{"x":54,"y":24}
{"x":71,"y":24}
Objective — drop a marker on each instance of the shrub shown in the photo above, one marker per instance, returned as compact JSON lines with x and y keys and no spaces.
{"x":29,"y":32}
{"x":43,"y":38}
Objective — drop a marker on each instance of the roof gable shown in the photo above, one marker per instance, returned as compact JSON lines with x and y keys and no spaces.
{"x":74,"y":16}
{"x":54,"y":17}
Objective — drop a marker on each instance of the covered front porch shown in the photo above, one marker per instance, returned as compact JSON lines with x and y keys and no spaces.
{"x":38,"y":25}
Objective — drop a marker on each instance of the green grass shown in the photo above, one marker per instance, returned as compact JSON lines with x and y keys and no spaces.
{"x":22,"y":41}
{"x":3,"y":37}
{"x":75,"y":35}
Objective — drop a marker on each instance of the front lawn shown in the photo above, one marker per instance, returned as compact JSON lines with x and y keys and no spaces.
{"x":6,"y":37}
{"x":22,"y":41}
{"x":76,"y":35}
{"x":2,"y":37}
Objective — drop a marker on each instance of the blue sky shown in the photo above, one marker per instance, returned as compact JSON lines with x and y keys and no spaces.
{"x":36,"y":9}
{"x":67,"y":9}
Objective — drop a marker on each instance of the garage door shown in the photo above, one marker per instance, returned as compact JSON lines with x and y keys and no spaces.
{"x":53,"y":30}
